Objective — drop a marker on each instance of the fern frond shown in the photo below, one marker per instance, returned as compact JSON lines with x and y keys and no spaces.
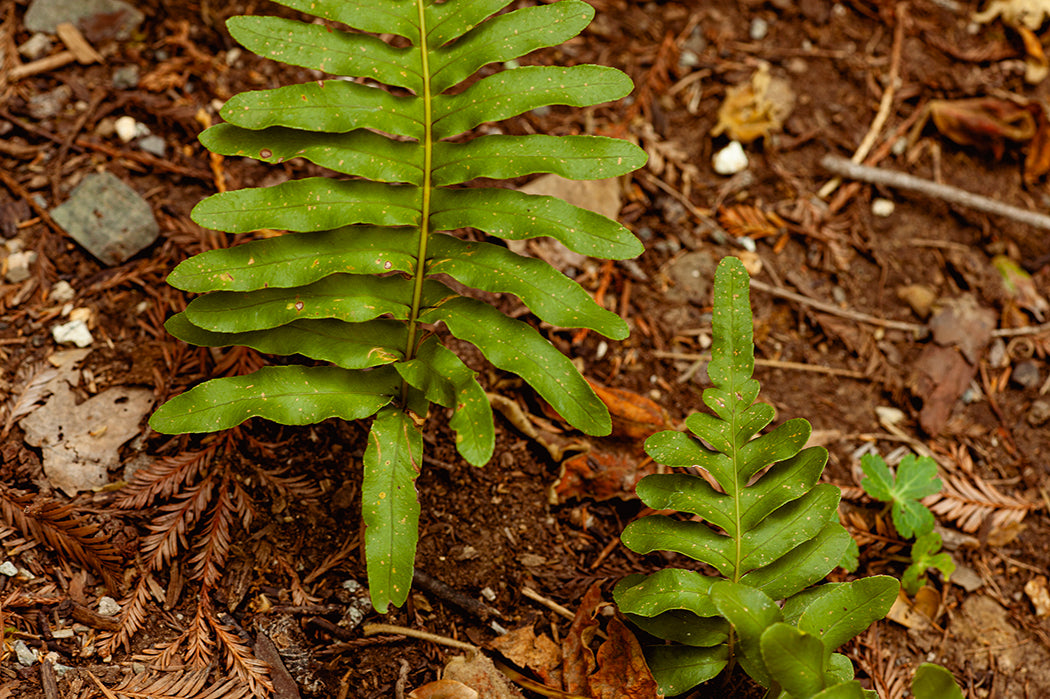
{"x":357,"y":281}
{"x":170,"y":530}
{"x":162,"y":478}
{"x":180,"y":684}
{"x":132,"y":617}
{"x":239,"y":658}
{"x":214,"y":541}
{"x":770,"y":530}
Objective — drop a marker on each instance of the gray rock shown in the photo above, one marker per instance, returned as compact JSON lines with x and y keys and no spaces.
{"x":45,"y":15}
{"x":35,"y":46}
{"x":108,"y":218}
{"x":48,"y":104}
{"x":126,"y":77}
{"x":25,"y":655}
{"x":154,"y":145}
{"x":1039,"y":413}
{"x":1026,"y":374}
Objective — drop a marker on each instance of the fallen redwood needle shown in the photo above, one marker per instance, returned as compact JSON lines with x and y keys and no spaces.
{"x":899,"y":180}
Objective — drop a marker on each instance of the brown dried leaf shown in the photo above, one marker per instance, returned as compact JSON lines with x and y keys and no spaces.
{"x":162,"y":478}
{"x":577,"y":658}
{"x":982,"y":122}
{"x":239,"y":659}
{"x":132,"y":617}
{"x":35,"y":387}
{"x":622,"y":672}
{"x":746,"y":220}
{"x":443,"y":689}
{"x":480,"y":674}
{"x":537,"y":653}
{"x":169,"y":530}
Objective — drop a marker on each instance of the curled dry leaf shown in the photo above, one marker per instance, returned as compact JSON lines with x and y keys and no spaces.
{"x":755,"y":109}
{"x":982,"y":122}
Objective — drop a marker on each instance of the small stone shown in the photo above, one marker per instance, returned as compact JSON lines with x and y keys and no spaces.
{"x":759,"y":29}
{"x":35,"y":47}
{"x":997,"y":356}
{"x":48,"y":104}
{"x":882,"y":207}
{"x":730,"y":160}
{"x":17,"y":264}
{"x":108,"y":218}
{"x":1026,"y":374}
{"x":62,"y":292}
{"x":154,"y":145}
{"x":46,"y":15}
{"x":25,"y":655}
{"x":1039,"y":414}
{"x":921,"y":298}
{"x":75,"y":332}
{"x":9,"y":569}
{"x":126,"y":77}
{"x":126,"y":128}
{"x":488,"y":593}
{"x":107,"y":606}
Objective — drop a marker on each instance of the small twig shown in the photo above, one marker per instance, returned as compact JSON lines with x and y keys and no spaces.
{"x":952,"y":195}
{"x":19,"y":191}
{"x":835,"y":310}
{"x":554,"y":607}
{"x":453,"y":596}
{"x":699,"y":214}
{"x":373,"y":629}
{"x":885,"y":105}
{"x":402,"y":680}
{"x":770,"y":363}
{"x":1019,"y":332}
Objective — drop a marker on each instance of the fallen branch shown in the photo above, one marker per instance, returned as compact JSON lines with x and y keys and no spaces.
{"x":952,"y":195}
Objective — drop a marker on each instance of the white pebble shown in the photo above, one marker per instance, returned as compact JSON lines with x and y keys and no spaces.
{"x":107,"y":606}
{"x":17,"y":265}
{"x":9,"y":569}
{"x":62,"y":292}
{"x":882,"y":207}
{"x":25,"y":655}
{"x":730,"y":160}
{"x":126,"y":128}
{"x":759,"y":29}
{"x":74,"y":332}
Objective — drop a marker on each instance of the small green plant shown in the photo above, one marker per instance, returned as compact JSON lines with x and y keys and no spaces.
{"x":357,"y":286}
{"x":916,"y":478}
{"x":769,"y":529}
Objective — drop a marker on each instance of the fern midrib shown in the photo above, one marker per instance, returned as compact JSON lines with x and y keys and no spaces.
{"x":424,"y":220}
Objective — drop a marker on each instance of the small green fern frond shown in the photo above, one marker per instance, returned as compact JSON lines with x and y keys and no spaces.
{"x":769,"y":529}
{"x":356,"y":280}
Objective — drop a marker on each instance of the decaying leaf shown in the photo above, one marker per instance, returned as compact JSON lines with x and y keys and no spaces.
{"x":1016,"y":13}
{"x":982,"y":122}
{"x":622,"y":672}
{"x":755,"y":109}
{"x":443,"y":689}
{"x":1021,"y":287}
{"x":539,"y":653}
{"x":1036,"y":65}
{"x":480,"y":674}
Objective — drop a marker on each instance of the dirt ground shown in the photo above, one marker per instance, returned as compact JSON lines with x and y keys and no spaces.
{"x":890,"y":330}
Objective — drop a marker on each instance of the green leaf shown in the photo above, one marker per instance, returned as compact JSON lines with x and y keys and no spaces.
{"x":333,"y":106}
{"x":514,"y":346}
{"x":916,"y":478}
{"x":803,"y":565}
{"x":359,"y":152}
{"x":548,"y":293}
{"x":375,"y":16}
{"x":506,"y":157}
{"x":348,"y":297}
{"x":328,"y":50}
{"x":311,"y":204}
{"x":934,"y":682}
{"x":666,"y":590}
{"x":297,"y":259}
{"x":290,"y":395}
{"x":508,"y":36}
{"x":347,"y":345}
{"x":684,"y":493}
{"x":849,"y":609}
{"x":445,"y":379}
{"x":510,"y":93}
{"x":446,"y":22}
{"x":693,"y":539}
{"x":794,"y":659}
{"x":788,"y":527}
{"x":679,"y":669}
{"x":389,"y":506}
{"x":750,"y":612}
{"x":846,"y":690}
{"x":513,"y":215}
{"x":680,"y":626}
{"x":924,"y":556}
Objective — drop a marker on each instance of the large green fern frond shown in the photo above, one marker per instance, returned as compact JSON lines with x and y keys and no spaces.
{"x":769,"y":529}
{"x":356,"y":281}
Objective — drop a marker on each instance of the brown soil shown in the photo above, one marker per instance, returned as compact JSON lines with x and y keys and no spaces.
{"x":495,"y":529}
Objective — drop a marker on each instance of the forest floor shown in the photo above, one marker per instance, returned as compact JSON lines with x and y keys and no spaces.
{"x":893,"y":321}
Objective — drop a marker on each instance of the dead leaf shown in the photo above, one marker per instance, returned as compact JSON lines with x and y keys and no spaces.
{"x":537,"y":653}
{"x":443,"y":689}
{"x":904,"y":614}
{"x":1016,"y":13}
{"x":577,"y":658}
{"x":1039,"y":595}
{"x":927,"y":602}
{"x":755,"y":109}
{"x":1021,"y":287}
{"x":982,"y":122}
{"x":1037,"y":159}
{"x":622,"y":672}
{"x":602,"y":473}
{"x":634,"y":416}
{"x":965,"y":324}
{"x":746,"y":220}
{"x":940,"y":376}
{"x":480,"y":674}
{"x":1036,"y":67}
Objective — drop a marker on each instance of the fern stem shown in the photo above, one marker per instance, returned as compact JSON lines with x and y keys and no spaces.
{"x":424,"y":220}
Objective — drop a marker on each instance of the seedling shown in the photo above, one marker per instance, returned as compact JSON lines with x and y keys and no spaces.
{"x":355,"y":287}
{"x":915,"y":479}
